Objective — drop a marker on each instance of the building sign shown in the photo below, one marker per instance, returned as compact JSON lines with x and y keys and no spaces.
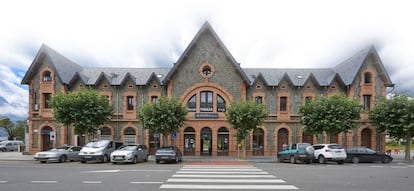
{"x":206,"y":115}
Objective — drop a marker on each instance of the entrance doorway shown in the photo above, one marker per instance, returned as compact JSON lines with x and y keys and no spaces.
{"x":223,"y":142}
{"x":282,"y":138}
{"x":189,"y":141}
{"x":154,"y":142}
{"x":366,"y":137}
{"x":47,"y":144}
{"x":258,"y":142}
{"x":206,"y":142}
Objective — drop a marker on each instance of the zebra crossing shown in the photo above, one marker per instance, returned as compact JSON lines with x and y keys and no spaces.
{"x":224,"y":177}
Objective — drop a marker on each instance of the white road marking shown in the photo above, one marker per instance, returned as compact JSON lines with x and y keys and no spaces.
{"x":376,"y":166}
{"x":219,"y":166}
{"x":221,"y":176}
{"x":186,"y":172}
{"x":91,"y":182}
{"x":222,"y":169}
{"x":3,"y":181}
{"x":146,"y":182}
{"x":222,"y":187}
{"x":43,"y":182}
{"x":226,"y":180}
{"x":398,"y":167}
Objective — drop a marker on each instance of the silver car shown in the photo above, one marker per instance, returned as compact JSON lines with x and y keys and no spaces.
{"x":130,"y":154}
{"x":59,"y":154}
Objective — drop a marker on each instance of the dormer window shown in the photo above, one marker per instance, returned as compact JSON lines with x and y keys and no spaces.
{"x":47,"y":76}
{"x":367,"y":78}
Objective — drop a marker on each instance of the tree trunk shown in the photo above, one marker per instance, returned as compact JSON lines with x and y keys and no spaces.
{"x":244,"y":148}
{"x":408,"y":146}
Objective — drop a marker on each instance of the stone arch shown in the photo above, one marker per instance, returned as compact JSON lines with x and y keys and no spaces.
{"x":223,"y":141}
{"x":44,"y":137}
{"x":130,"y":134}
{"x":258,"y":141}
{"x":278,"y":137}
{"x":206,"y":87}
{"x":105,"y":133}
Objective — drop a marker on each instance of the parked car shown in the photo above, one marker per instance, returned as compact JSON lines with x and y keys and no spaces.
{"x":364,"y":154}
{"x":168,"y":154}
{"x":59,"y":154}
{"x":10,"y":145}
{"x":98,"y":151}
{"x":329,"y":152}
{"x":130,"y":154}
{"x":297,"y":152}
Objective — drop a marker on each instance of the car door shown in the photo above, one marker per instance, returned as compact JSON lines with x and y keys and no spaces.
{"x":74,"y":153}
{"x":140,"y":152}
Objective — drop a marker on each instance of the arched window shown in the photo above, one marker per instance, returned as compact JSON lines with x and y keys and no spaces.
{"x":192,"y":103}
{"x":206,"y":101}
{"x":221,"y":104}
{"x":47,"y":76}
{"x":259,"y":99}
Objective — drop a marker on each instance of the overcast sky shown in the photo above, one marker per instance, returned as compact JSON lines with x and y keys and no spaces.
{"x":258,"y":33}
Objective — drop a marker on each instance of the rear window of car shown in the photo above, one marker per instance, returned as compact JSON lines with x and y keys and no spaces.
{"x":335,"y":147}
{"x":317,"y":147}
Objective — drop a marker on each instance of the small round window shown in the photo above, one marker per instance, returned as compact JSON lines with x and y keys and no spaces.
{"x":206,"y":70}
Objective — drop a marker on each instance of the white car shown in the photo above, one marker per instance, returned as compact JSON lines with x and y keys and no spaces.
{"x":329,"y":152}
{"x":59,"y":154}
{"x":130,"y":154}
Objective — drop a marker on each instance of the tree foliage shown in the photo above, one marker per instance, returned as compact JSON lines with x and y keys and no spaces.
{"x":245,"y":117}
{"x":164,"y":116}
{"x":85,"y":109}
{"x":332,"y":114}
{"x":14,"y":131}
{"x":395,"y":116}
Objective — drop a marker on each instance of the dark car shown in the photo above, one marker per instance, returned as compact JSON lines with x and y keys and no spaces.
{"x":364,"y":154}
{"x":168,"y":154}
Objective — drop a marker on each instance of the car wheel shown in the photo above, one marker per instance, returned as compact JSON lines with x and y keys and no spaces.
{"x":134,"y":160}
{"x":42,"y":161}
{"x":82,"y":161}
{"x":177,"y":160}
{"x":355,"y":160}
{"x":321,"y":159}
{"x":386,"y":160}
{"x":105,"y":159}
{"x":3,"y":150}
{"x":292,"y":159}
{"x":62,"y":158}
{"x":114,"y":163}
{"x":340,"y":162}
{"x":157,"y":161}
{"x":146,"y":158}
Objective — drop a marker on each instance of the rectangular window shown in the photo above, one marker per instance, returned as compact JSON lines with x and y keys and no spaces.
{"x":367,"y":102}
{"x":130,"y":104}
{"x":47,"y":97}
{"x":206,"y":101}
{"x":154,"y":98}
{"x":283,"y":104}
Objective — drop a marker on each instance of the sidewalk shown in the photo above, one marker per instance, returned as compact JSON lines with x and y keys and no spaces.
{"x":18,"y":156}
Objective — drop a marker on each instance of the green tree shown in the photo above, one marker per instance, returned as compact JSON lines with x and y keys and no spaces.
{"x":245,"y":117}
{"x":164,"y":116}
{"x":395,"y":116}
{"x":14,"y":131}
{"x":85,"y":109}
{"x":333,"y":114}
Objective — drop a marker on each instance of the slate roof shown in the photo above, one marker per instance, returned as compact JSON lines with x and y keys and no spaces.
{"x":346,"y":71}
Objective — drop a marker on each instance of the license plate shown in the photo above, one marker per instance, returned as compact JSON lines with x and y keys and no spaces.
{"x":88,"y":157}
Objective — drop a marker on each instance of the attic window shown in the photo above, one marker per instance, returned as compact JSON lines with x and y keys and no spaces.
{"x":308,"y":87}
{"x":206,"y":70}
{"x":283,"y":87}
{"x":258,"y":87}
{"x":47,"y":76}
{"x":367,"y":78}
{"x":81,"y":85}
{"x":130,"y":86}
{"x":105,"y":86}
{"x":155,"y":86}
{"x":333,"y":87}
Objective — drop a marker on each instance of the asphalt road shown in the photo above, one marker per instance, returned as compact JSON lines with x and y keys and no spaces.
{"x":31,"y":175}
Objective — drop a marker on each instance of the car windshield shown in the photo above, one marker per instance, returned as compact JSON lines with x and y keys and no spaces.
{"x":369,"y":151}
{"x":3,"y":143}
{"x":129,"y":148}
{"x":97,"y":144}
{"x":303,"y":145}
{"x":59,"y":149}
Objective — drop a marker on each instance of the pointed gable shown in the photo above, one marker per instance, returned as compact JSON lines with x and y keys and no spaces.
{"x":206,"y":28}
{"x":64,"y":68}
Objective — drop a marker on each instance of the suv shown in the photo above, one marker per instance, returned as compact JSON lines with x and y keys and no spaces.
{"x":297,"y":152}
{"x":329,"y":152}
{"x":10,"y":145}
